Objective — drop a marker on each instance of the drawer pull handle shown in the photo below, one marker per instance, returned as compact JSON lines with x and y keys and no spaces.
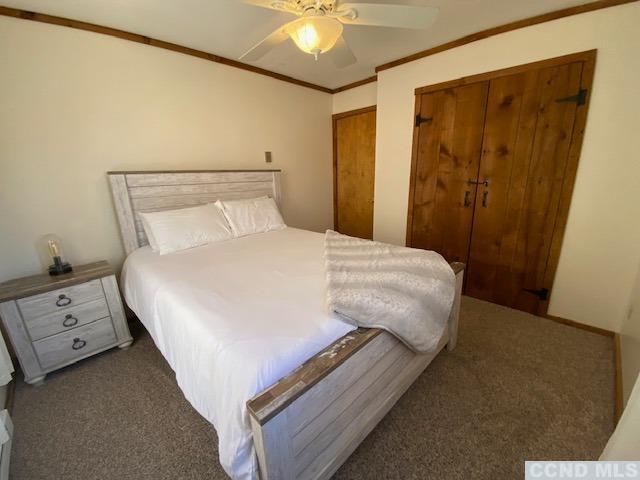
{"x":69,"y":320}
{"x":63,"y":301}
{"x":78,"y":344}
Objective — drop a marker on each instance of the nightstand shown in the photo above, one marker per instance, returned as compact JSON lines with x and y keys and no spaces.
{"x":54,"y":321}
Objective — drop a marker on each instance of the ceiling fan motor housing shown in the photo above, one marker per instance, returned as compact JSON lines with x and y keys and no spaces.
{"x":319,"y":26}
{"x":315,"y":34}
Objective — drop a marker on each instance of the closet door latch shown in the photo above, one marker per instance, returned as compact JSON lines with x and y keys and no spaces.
{"x":420,"y":120}
{"x":485,"y":182}
{"x":542,"y":293}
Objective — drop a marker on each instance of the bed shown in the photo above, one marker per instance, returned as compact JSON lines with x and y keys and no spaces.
{"x":291,"y":389}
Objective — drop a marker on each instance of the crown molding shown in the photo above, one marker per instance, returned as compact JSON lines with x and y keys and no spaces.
{"x":134,"y":37}
{"x":474,"y":37}
{"x":355,"y":84}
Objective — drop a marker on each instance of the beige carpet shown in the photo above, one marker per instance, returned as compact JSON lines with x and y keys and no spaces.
{"x":517,"y":387}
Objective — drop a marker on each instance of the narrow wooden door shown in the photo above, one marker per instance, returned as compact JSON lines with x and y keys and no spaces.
{"x":354,"y":137}
{"x":527,"y":136}
{"x":449,"y":138}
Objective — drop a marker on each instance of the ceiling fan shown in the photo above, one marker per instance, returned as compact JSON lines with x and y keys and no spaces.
{"x":319,"y":28}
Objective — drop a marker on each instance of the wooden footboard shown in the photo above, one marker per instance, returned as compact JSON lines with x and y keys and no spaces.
{"x":307,"y":424}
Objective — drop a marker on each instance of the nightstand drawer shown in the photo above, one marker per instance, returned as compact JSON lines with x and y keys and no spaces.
{"x":56,"y":300}
{"x":66,"y":319}
{"x":79,"y":342}
{"x":56,"y":321}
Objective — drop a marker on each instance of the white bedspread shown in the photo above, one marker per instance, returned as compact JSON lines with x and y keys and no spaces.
{"x":231,"y":318}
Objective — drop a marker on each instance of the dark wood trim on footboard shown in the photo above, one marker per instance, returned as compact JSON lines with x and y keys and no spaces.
{"x":307,"y":424}
{"x":276,"y":398}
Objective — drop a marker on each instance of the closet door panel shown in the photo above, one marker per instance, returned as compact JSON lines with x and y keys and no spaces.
{"x":547,"y":170}
{"x":448,"y":153}
{"x":524,"y":157}
{"x":508,"y":139}
{"x":354,"y":174}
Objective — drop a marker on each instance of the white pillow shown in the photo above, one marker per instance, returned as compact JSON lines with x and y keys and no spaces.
{"x":253,"y":215}
{"x":173,"y":230}
{"x":149,"y":232}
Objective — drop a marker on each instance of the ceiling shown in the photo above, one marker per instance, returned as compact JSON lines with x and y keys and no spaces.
{"x":228,"y":28}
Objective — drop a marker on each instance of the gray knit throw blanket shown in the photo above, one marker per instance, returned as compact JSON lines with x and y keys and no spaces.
{"x":406,"y":291}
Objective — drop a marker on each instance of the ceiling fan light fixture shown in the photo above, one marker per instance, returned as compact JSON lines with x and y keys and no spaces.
{"x":315,"y":34}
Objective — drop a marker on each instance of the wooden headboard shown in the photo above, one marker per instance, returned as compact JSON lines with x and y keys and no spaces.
{"x":152,"y":191}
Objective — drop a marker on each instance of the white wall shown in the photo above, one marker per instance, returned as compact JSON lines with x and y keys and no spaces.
{"x":630,"y":341}
{"x":354,"y":98}
{"x":602,"y":242}
{"x":624,"y":444}
{"x":76,"y":104}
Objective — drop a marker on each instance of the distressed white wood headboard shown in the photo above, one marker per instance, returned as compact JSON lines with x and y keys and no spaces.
{"x":152,"y":191}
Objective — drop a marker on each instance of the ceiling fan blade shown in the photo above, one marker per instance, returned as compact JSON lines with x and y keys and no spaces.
{"x":280,"y":5}
{"x":386,"y":15}
{"x":261,"y":48}
{"x":341,"y":54}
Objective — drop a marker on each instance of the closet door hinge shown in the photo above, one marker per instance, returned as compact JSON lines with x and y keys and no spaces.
{"x":420,"y":120}
{"x":542,"y":294}
{"x":579,"y":98}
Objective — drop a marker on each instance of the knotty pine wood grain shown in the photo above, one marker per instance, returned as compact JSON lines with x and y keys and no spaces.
{"x":588,"y":56}
{"x":525,"y":149}
{"x":587,"y":61}
{"x":354,"y":171}
{"x":446,"y":158}
{"x":586,"y":82}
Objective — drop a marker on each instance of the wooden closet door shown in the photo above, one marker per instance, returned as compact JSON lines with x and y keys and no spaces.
{"x":354,"y":172}
{"x":527,"y":136}
{"x":448,"y":145}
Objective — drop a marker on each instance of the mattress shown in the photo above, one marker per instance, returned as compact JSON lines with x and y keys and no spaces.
{"x":231,"y":318}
